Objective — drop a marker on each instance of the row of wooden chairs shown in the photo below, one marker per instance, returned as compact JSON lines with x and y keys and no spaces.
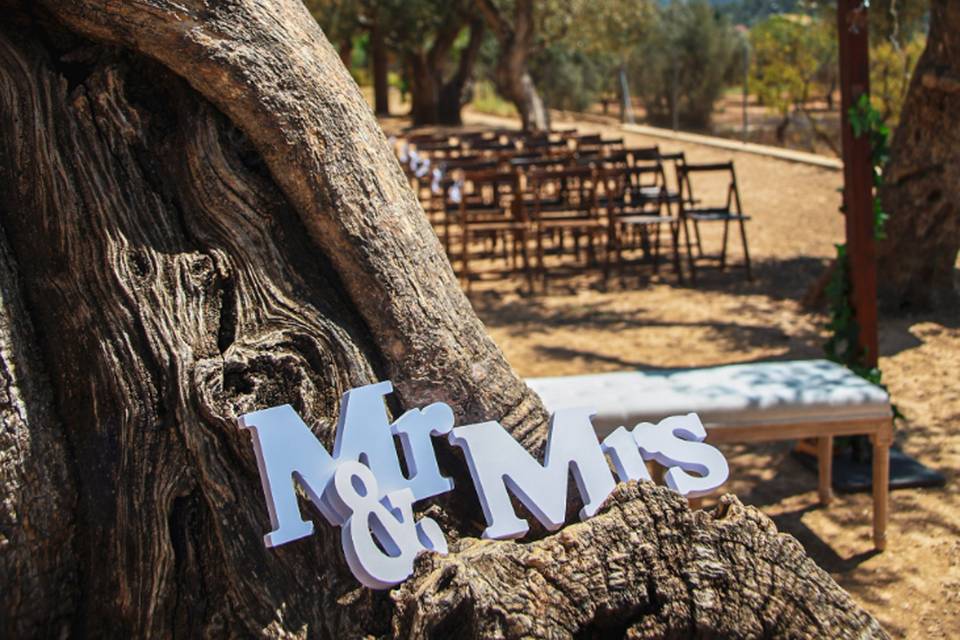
{"x":593,"y":205}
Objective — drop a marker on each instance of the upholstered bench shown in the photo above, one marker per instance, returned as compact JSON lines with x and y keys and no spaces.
{"x":753,"y":402}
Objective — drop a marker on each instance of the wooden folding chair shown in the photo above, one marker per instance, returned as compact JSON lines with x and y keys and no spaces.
{"x":697,"y":211}
{"x":638,"y":206}
{"x":488,"y":218}
{"x":562,"y":204}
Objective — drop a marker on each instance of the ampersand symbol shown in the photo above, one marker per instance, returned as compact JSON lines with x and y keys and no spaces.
{"x":380,"y":537}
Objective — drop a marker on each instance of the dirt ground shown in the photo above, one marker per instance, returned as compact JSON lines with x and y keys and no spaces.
{"x":653,"y":321}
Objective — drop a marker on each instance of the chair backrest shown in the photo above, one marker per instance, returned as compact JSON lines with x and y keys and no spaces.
{"x":567,"y":190}
{"x":594,"y":143}
{"x":587,"y":138}
{"x":643,"y":155}
{"x":429,"y":137}
{"x":555,"y":162}
{"x":677,"y":159}
{"x":546,"y":144}
{"x":472,"y":162}
{"x":489,"y":189}
{"x":440,"y":151}
{"x":686,"y":170}
{"x":495,"y":144}
{"x":611,"y":160}
{"x":634,"y":189}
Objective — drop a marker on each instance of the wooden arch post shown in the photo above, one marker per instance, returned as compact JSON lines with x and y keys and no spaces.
{"x":858,"y":174}
{"x":852,"y":27}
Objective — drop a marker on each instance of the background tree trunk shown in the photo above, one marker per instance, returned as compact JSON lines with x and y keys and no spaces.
{"x":424,"y":92}
{"x":199,"y":222}
{"x":454,"y":92}
{"x":922,"y":179}
{"x":380,"y":68}
{"x":426,"y":74}
{"x":626,"y":101}
{"x":512,"y":75}
{"x":345,"y":52}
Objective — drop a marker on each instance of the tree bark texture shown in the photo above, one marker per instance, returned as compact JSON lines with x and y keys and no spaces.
{"x":200,"y":217}
{"x":917,"y":261}
{"x":645,"y":567}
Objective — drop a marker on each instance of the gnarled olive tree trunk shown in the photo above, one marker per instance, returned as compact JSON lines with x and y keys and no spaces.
{"x":199,"y":217}
{"x":918,"y":259}
{"x":512,"y":75}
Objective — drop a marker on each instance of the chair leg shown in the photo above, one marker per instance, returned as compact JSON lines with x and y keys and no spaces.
{"x":656,"y":249}
{"x":723,"y":251}
{"x":746,"y":252}
{"x":690,"y":259}
{"x":525,"y":257}
{"x":645,"y":242}
{"x":881,"y":488}
{"x":541,"y":268}
{"x":466,"y":261}
{"x":675,"y":239}
{"x":618,"y":233}
{"x":696,"y":230}
{"x":606,"y":258}
{"x":825,"y":469}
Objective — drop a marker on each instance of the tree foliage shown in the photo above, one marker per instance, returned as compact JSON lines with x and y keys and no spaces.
{"x":587,"y":42}
{"x":683,"y":62}
{"x":678,"y":56}
{"x":891,"y":67}
{"x":571,"y":79}
{"x":795,"y":61}
{"x":794,"y":58}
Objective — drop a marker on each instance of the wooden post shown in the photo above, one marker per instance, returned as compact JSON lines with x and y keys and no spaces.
{"x":858,"y":174}
{"x":861,"y":247}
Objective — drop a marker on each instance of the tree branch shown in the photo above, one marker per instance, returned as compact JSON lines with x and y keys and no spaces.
{"x":446,"y":35}
{"x":468,"y":56}
{"x":495,"y":20}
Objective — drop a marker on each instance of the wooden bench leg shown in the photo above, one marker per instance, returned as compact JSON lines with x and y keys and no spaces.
{"x":825,"y":469}
{"x":881,"y":486}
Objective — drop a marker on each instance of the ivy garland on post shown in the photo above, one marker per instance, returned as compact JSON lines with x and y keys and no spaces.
{"x":843,"y":346}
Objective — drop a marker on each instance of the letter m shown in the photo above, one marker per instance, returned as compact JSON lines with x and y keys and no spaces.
{"x":499,"y":464}
{"x":288,"y":453}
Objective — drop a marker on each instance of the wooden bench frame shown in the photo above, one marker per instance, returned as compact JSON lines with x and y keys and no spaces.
{"x":881,"y":437}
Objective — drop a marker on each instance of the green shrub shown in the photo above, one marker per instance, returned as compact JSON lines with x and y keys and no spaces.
{"x":569,"y":79}
{"x":685,"y":57}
